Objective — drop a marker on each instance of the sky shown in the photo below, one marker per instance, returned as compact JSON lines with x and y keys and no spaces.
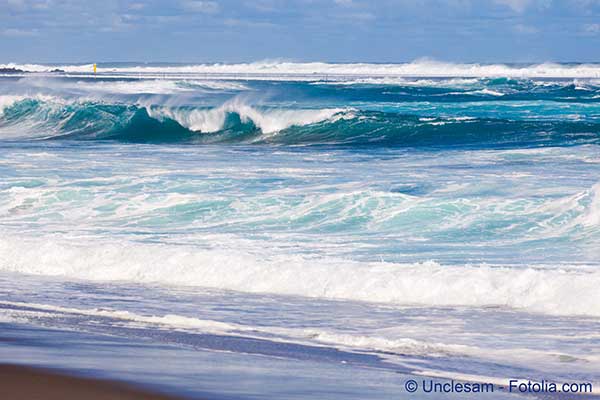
{"x":55,"y":31}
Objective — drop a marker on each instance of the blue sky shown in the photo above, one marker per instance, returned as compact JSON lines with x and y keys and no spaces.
{"x":299,"y":30}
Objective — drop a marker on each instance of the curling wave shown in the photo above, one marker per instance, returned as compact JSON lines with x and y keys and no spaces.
{"x":44,"y":117}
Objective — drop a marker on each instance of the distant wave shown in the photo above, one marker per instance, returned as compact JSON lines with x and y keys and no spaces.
{"x":418,"y":68}
{"x":45,"y":117}
{"x":100,"y":87}
{"x":347,"y":89}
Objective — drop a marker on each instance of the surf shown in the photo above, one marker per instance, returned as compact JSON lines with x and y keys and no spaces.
{"x":299,"y":70}
{"x":552,"y":290}
{"x":50,"y":118}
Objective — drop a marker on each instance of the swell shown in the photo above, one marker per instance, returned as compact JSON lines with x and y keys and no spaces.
{"x":235,"y":122}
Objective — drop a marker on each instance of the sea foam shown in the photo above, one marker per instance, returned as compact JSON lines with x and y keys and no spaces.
{"x":268,"y":121}
{"x":417,"y":68}
{"x":549,"y":290}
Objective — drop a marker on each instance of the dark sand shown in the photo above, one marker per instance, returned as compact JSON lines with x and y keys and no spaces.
{"x":26,"y":383}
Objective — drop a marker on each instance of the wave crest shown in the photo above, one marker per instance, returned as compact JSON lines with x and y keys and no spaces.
{"x":268,"y":121}
{"x":45,"y":117}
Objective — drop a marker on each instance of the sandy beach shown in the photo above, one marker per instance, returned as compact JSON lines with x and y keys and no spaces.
{"x":28,"y":383}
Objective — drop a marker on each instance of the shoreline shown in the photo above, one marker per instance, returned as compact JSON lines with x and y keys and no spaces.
{"x":20,"y":382}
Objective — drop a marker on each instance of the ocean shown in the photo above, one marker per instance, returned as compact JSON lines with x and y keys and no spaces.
{"x":371,"y":221}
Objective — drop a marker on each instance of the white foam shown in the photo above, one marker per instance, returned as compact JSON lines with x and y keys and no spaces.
{"x":399,"y":81}
{"x":392,"y":343}
{"x":304,"y":335}
{"x":591,"y":217}
{"x":218,"y":85}
{"x":488,"y":92}
{"x":151,"y":86}
{"x":7,"y":101}
{"x":418,"y":68}
{"x":557,"y":290}
{"x":268,"y":121}
{"x":135,"y":86}
{"x":170,"y":320}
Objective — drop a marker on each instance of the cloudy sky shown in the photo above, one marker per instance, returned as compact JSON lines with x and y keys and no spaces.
{"x":299,"y":30}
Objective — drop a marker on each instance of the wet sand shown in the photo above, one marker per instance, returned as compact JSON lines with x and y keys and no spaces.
{"x":27,"y":383}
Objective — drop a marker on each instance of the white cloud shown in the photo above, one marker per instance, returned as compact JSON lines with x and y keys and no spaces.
{"x":14,"y":32}
{"x":137,"y":6}
{"x":359,"y":16}
{"x":24,"y":5}
{"x":264,"y":5}
{"x":205,"y":7}
{"x":119,"y":23}
{"x":516,"y":5}
{"x":525,"y":29}
{"x":585,"y":3}
{"x":520,"y":6}
{"x":16,"y":4}
{"x":235,"y":22}
{"x":593,"y":29}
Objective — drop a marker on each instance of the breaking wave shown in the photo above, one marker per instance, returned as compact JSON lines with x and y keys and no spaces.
{"x":47,"y":117}
{"x":418,"y":68}
{"x":267,"y":121}
{"x":554,"y":290}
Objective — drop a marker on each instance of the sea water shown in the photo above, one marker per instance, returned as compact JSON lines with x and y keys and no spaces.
{"x":438,"y":219}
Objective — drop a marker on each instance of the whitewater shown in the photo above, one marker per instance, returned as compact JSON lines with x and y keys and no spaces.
{"x":302,"y":70}
{"x":432,"y":218}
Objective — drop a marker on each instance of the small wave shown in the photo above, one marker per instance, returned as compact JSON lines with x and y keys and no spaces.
{"x":396,"y":345}
{"x":19,"y":311}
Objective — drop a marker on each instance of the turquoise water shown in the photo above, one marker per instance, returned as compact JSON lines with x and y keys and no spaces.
{"x":442,"y":224}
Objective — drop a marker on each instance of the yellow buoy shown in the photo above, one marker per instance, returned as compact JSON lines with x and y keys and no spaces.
{"x":94,"y":69}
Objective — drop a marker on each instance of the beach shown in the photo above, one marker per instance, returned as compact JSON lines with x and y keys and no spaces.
{"x":27,"y":383}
